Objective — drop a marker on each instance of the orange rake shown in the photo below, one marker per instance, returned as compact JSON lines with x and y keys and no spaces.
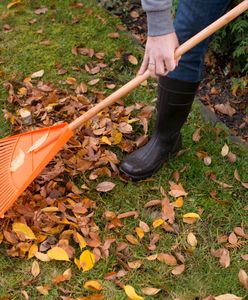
{"x":24,"y":156}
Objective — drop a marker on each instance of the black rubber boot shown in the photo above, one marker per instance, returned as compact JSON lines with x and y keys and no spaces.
{"x":175,"y":98}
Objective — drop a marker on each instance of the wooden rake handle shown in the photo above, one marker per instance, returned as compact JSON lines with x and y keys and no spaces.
{"x":131,"y":85}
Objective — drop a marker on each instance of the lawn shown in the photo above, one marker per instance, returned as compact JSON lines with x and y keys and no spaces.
{"x":31,"y":42}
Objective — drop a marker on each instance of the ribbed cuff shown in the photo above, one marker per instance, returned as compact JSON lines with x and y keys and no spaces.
{"x":159,"y":22}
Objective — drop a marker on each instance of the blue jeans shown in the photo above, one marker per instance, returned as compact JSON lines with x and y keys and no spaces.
{"x":192,"y":16}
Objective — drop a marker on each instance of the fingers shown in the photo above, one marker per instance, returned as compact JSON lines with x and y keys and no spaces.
{"x":144,"y":65}
{"x":170,"y":62}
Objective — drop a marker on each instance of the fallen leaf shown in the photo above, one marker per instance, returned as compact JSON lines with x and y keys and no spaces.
{"x":13,"y":3}
{"x":132,"y":59}
{"x":105,"y":186}
{"x":144,"y":226}
{"x":191,"y":239}
{"x":178,"y":270}
{"x":41,"y":10}
{"x":157,"y":223}
{"x":128,"y":214}
{"x":37,"y":74}
{"x":176,"y":190}
{"x":35,"y":270}
{"x":178,"y":203}
{"x":87,"y":260}
{"x":197,"y":135}
{"x":243,"y":278}
{"x":66,"y":276}
{"x":94,"y":81}
{"x":58,"y":253}
{"x":224,"y":150}
{"x":207,"y":160}
{"x":43,"y":289}
{"x":140,"y":233}
{"x":93,"y":285}
{"x":39,"y":142}
{"x":227,"y":297}
{"x":236,"y":175}
{"x":18,"y":161}
{"x":24,"y":229}
{"x":150,"y":291}
{"x":244,"y":256}
{"x":42,"y":256}
{"x":130,"y":291}
{"x":191,"y":216}
{"x":114,"y":35}
{"x":135,"y":264}
{"x":231,"y":157}
{"x":225,"y":109}
{"x":232,"y":239}
{"x":132,"y":239}
{"x":167,"y":259}
{"x":79,"y":239}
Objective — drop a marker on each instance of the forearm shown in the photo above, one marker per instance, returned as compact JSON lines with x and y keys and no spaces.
{"x":159,"y":17}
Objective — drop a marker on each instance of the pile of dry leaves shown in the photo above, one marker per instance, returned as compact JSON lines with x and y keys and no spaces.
{"x":53,"y":215}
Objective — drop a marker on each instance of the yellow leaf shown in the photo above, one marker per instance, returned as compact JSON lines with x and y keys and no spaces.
{"x":178,"y":203}
{"x":191,"y":216}
{"x":105,"y":140}
{"x":43,"y":289}
{"x":13,"y":2}
{"x":139,"y":232}
{"x":130,"y":291}
{"x":157,"y":223}
{"x":81,"y":241}
{"x":117,"y":136}
{"x":87,"y":260}
{"x":93,"y":285}
{"x":25,"y":230}
{"x":18,"y":161}
{"x":38,"y":143}
{"x":35,"y":270}
{"x":77,"y":263}
{"x":58,"y":253}
{"x":50,"y":209}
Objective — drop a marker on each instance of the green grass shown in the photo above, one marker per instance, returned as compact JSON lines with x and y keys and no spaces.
{"x":22,"y":55}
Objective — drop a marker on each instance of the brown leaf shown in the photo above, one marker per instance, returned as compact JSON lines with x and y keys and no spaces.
{"x":105,"y":186}
{"x":176,"y":190}
{"x":243,"y":278}
{"x":231,"y":157}
{"x":167,"y":259}
{"x":207,"y":160}
{"x":132,"y":239}
{"x":236,"y":175}
{"x":128,"y":214}
{"x":191,"y":239}
{"x":223,"y":255}
{"x":244,"y":256}
{"x":168,"y":212}
{"x":178,"y":270}
{"x":240,"y":232}
{"x":152,"y":203}
{"x":41,"y":10}
{"x":66,"y":276}
{"x":224,"y":150}
{"x":135,"y":264}
{"x":197,"y":135}
{"x":232,"y":239}
{"x":227,"y":297}
{"x":225,"y":109}
{"x":245,"y":184}
{"x":144,"y":226}
{"x":114,"y":35}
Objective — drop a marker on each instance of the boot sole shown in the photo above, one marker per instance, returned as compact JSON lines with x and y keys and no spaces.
{"x":147,"y":175}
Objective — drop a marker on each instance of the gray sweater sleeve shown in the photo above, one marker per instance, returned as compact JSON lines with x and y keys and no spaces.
{"x":159,"y":19}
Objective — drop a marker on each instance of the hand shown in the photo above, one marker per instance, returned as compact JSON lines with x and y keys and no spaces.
{"x":159,"y":55}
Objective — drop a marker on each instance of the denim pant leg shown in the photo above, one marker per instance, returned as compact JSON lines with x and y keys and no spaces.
{"x":192,"y":16}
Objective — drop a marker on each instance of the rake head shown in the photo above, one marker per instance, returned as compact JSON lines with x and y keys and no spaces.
{"x":13,"y":181}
